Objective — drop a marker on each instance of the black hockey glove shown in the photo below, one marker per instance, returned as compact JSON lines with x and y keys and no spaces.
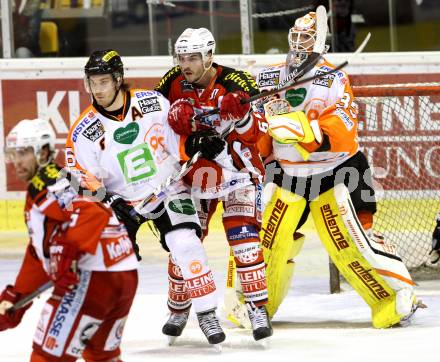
{"x":128,"y":215}
{"x":435,"y":252}
{"x":208,"y":143}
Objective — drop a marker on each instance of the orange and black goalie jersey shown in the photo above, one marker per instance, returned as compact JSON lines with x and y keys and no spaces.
{"x":245,"y":160}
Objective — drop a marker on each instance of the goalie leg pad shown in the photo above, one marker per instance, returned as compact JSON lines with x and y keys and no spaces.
{"x":281,"y":243}
{"x":379,"y":276}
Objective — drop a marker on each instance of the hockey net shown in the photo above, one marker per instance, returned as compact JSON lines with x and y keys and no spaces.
{"x":399,"y":131}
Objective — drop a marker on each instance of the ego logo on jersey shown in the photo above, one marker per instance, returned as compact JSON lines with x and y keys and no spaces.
{"x":149,"y":105}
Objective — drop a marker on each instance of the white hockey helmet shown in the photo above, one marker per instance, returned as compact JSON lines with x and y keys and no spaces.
{"x":198,"y":40}
{"x":35,"y":133}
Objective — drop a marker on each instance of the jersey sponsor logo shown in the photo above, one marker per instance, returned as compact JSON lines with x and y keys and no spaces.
{"x":185,"y":86}
{"x":184,"y":206}
{"x":254,"y":281}
{"x":269,"y":79}
{"x":201,"y":285}
{"x":94,"y":131}
{"x":43,"y":323}
{"x":149,"y":105}
{"x":270,"y":229}
{"x":296,"y":96}
{"x":79,"y":128}
{"x":325,"y":81}
{"x":143,"y":94}
{"x":116,"y":249}
{"x":86,"y":329}
{"x":126,"y":135}
{"x":349,"y":124}
{"x":246,"y":84}
{"x":114,"y":338}
{"x":368,"y":280}
{"x":195,"y":267}
{"x":167,"y":76}
{"x":333,"y":228}
{"x":247,"y":253}
{"x":242,"y":232}
{"x":137,"y":163}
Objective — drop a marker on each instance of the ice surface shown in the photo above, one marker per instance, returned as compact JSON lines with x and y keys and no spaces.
{"x":311,"y":324}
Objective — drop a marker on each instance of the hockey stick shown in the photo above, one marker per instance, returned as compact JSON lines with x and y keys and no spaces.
{"x":162,"y":189}
{"x":28,"y":298}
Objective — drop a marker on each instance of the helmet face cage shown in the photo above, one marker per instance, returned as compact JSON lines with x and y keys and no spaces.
{"x":302,"y":37}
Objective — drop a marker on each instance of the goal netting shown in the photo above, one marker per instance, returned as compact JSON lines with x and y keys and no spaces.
{"x":399,"y":131}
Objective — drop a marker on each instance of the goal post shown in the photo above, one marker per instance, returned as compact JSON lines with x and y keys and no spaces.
{"x":399,"y":132}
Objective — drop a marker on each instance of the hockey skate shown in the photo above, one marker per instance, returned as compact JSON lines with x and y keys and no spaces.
{"x":405,"y":321}
{"x":174,"y":326}
{"x":210,"y":326}
{"x":261,"y":326}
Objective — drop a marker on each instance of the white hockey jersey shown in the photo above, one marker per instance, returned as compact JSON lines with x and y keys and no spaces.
{"x":329,"y":100}
{"x":130,"y":157}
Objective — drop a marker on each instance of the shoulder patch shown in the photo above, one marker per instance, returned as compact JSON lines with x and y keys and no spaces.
{"x":238,"y":80}
{"x":45,"y":176}
{"x":149,"y":104}
{"x":324,"y":81}
{"x":269,"y":78}
{"x":164,"y":84}
{"x":87,"y":128}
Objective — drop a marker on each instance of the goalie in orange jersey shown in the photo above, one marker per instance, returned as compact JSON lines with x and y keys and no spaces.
{"x":314,"y":164}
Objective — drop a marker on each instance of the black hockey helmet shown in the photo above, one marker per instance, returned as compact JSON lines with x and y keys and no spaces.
{"x":105,"y":62}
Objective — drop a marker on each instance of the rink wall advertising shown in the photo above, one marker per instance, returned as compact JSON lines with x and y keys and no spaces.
{"x":54,"y":89}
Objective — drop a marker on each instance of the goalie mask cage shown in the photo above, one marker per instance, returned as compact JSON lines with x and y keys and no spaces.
{"x":399,"y":131}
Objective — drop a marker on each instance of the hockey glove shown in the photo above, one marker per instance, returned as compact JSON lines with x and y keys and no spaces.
{"x":180,"y":116}
{"x":208,"y":143}
{"x":8,"y":298}
{"x":128,"y":215}
{"x":435,"y":252}
{"x":62,"y":265}
{"x":231,"y":108}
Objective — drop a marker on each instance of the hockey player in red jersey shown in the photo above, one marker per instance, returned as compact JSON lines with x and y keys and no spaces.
{"x":195,"y":86}
{"x":78,"y":244}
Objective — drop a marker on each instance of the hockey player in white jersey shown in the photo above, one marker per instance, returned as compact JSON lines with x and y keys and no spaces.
{"x":314,"y":164}
{"x":122,"y":142}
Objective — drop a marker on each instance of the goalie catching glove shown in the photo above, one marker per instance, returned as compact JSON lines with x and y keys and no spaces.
{"x":435,"y":252}
{"x":293,"y":127}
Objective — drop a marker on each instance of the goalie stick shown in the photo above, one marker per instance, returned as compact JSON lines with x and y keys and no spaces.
{"x":29,"y":298}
